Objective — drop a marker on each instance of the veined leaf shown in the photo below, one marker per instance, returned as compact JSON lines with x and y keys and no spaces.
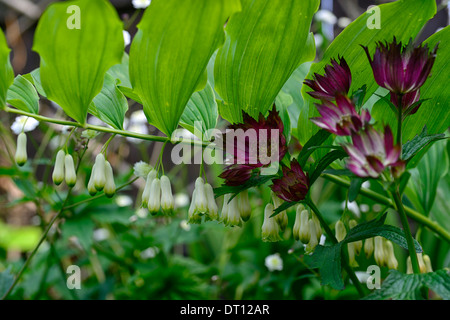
{"x":74,"y":60}
{"x":110,"y":105}
{"x":400,"y":286}
{"x":264,"y":44}
{"x":316,"y":140}
{"x":282,"y":103}
{"x":170,"y":52}
{"x":324,"y":162}
{"x":6,"y":71}
{"x":23,"y":96}
{"x":34,"y":77}
{"x":403,"y":19}
{"x":201,"y":112}
{"x":420,"y":141}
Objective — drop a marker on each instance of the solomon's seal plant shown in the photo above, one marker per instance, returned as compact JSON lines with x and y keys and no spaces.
{"x":317,"y":162}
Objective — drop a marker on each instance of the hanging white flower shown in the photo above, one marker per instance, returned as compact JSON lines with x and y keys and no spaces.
{"x":274,"y":262}
{"x":25,"y":124}
{"x":142,"y":169}
{"x":326,"y":16}
{"x":126,"y":37}
{"x":141,"y":4}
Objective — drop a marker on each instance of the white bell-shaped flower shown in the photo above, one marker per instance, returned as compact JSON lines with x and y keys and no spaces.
{"x":213,"y":210}
{"x":201,"y":203}
{"x":70,"y":173}
{"x":110,"y":185}
{"x":58,"y":170}
{"x":91,"y":187}
{"x":100,"y":172}
{"x":167,"y":201}
{"x":244,"y":206}
{"x":313,"y":241}
{"x":21,"y":156}
{"x":148,"y":184}
{"x":304,"y":233}
{"x":270,"y":231}
{"x":368,"y":247}
{"x":154,"y":200}
{"x":340,"y":231}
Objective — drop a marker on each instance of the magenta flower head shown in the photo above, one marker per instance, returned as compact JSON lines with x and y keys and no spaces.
{"x":253,"y":144}
{"x":341,"y":119}
{"x":293,"y":186}
{"x":401,"y":69}
{"x":372,"y":152}
{"x":409,"y":103}
{"x":336,"y":81}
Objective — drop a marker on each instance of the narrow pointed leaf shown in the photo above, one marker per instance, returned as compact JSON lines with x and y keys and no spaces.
{"x":6,"y":71}
{"x":23,"y":96}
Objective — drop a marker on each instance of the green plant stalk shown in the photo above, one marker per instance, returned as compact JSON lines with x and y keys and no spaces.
{"x":124,"y":133}
{"x":399,"y":122}
{"x":407,"y":230}
{"x":416,"y":216}
{"x":333,"y":239}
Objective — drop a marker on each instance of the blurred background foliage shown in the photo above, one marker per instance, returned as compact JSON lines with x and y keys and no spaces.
{"x":125,"y":254}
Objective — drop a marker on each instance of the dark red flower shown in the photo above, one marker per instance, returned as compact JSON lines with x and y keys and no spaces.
{"x":293,"y":186}
{"x":401,"y":69}
{"x":336,"y":81}
{"x":341,"y":119}
{"x":253,"y":144}
{"x":409,"y":102}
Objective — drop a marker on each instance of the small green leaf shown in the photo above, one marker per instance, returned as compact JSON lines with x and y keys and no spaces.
{"x":170,"y":52}
{"x":254,"y":181}
{"x":353,"y":190}
{"x":110,"y":105}
{"x":6,"y":281}
{"x":6,"y":70}
{"x":400,"y":286}
{"x":23,"y":96}
{"x":328,"y":260}
{"x":420,"y":141}
{"x":284,"y":206}
{"x":35,"y":78}
{"x":316,"y":140}
{"x":324,"y":162}
{"x":201,"y":113}
{"x":264,"y":44}
{"x":75,"y":58}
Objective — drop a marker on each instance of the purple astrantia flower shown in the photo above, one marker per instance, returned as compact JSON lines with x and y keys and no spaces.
{"x":401,"y":69}
{"x":372,"y":152}
{"x":293,"y":186}
{"x":409,"y":103}
{"x":342,"y":118}
{"x":336,"y":81}
{"x":253,"y":146}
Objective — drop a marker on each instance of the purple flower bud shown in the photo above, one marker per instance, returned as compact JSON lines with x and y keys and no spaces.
{"x":401,"y":69}
{"x":336,"y":81}
{"x":341,"y":119}
{"x":409,"y":101}
{"x":293,"y":186}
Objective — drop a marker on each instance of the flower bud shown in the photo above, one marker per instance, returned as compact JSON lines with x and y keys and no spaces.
{"x":110,"y":186}
{"x":21,"y":151}
{"x":368,"y":247}
{"x":296,"y":228}
{"x":201,"y":203}
{"x":91,"y":188}
{"x":391,"y":261}
{"x":270,"y":228}
{"x":100,"y":172}
{"x":194,"y":216}
{"x":70,"y":173}
{"x":357,"y":244}
{"x":154,"y":200}
{"x":351,"y":248}
{"x":58,"y":170}
{"x":167,"y":201}
{"x":234,"y":214}
{"x":224,"y":213}
{"x":304,"y":233}
{"x":318,"y":226}
{"x":281,"y":218}
{"x":379,"y":255}
{"x":313,"y":241}
{"x":148,"y":184}
{"x":422,"y":266}
{"x":427,"y":262}
{"x":213,"y":210}
{"x":340,"y":231}
{"x":244,"y":205}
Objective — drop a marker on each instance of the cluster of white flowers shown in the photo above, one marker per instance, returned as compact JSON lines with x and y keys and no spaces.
{"x":306,"y":229}
{"x":157,"y":194}
{"x":203,"y":203}
{"x":102,"y":177}
{"x":424,"y":264}
{"x":64,"y":169}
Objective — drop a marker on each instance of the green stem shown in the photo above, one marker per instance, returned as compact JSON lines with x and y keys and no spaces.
{"x":124,"y":133}
{"x":333,"y":239}
{"x":416,"y":216}
{"x":407,"y":230}
{"x":399,"y":121}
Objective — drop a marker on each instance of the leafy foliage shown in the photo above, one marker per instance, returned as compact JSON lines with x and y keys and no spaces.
{"x":6,"y":73}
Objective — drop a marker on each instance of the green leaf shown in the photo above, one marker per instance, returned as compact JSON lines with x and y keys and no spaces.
{"x":170,"y":52}
{"x":400,"y":286}
{"x":328,"y":260}
{"x":284,"y":206}
{"x":23,"y":96}
{"x":420,"y":141}
{"x":6,"y":281}
{"x":121,"y":72}
{"x":201,"y":113}
{"x":6,"y":70}
{"x":264,"y":44}
{"x":254,"y":181}
{"x":19,"y":238}
{"x":282,"y":103}
{"x":402,"y":19}
{"x":324,"y":162}
{"x":353,"y":190}
{"x":316,"y":140}
{"x":81,"y":228}
{"x":74,"y":61}
{"x":110,"y":105}
{"x":34,"y":77}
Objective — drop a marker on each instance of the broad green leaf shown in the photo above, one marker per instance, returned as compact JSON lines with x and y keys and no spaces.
{"x":400,"y":286}
{"x":34,"y":77}
{"x":170,"y":52}
{"x":121,"y":72}
{"x":74,"y":60}
{"x":201,"y":113}
{"x":402,"y":19}
{"x":264,"y":44}
{"x":22,"y":95}
{"x":19,"y":238}
{"x":282,"y":103}
{"x":6,"y":280}
{"x":6,"y":70}
{"x":110,"y":105}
